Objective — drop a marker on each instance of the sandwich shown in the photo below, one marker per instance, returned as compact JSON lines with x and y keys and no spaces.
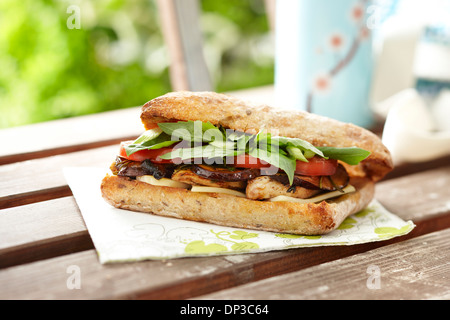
{"x":211,"y":157}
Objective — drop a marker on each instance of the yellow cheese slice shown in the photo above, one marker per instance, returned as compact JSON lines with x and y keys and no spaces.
{"x":325,"y":196}
{"x":218,"y":190}
{"x":164,"y":182}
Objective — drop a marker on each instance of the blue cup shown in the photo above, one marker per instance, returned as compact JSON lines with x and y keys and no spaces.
{"x":324,"y":59}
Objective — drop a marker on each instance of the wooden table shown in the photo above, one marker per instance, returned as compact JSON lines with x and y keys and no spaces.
{"x":43,"y":235}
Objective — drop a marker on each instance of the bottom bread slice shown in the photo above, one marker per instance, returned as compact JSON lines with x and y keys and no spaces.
{"x":232,"y":211}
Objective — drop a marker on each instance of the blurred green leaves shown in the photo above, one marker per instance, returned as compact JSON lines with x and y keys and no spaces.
{"x":238,"y":43}
{"x":117,"y":58}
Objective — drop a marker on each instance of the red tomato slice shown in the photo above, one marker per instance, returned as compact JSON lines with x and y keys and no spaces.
{"x":153,"y":155}
{"x":247,"y":161}
{"x":317,"y":166}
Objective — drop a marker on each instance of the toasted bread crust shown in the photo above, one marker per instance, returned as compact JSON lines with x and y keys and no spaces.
{"x":228,"y":210}
{"x":236,"y":114}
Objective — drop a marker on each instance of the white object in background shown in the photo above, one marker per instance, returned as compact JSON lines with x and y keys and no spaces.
{"x":382,"y":108}
{"x":409,"y":132}
{"x":286,"y":83}
{"x":397,"y":44}
{"x":394,"y":57}
{"x":432,"y":61}
{"x":440,"y":111}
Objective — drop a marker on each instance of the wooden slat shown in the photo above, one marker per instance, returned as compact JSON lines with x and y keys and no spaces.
{"x":41,"y":231}
{"x":418,"y":195}
{"x":423,"y":198}
{"x":171,"y":279}
{"x":43,"y":179}
{"x":180,"y":22}
{"x":174,"y":279}
{"x":183,"y":276}
{"x":271,"y":13}
{"x":407,"y":168}
{"x":415,"y":269}
{"x":69,"y":135}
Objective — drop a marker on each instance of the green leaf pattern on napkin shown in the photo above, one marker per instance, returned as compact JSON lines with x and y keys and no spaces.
{"x":390,"y":232}
{"x":237,"y":240}
{"x":164,"y":238}
{"x":373,"y":223}
{"x":199,"y":246}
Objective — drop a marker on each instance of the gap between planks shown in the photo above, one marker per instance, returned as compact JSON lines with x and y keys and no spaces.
{"x":42,"y":179}
{"x":68,"y":135}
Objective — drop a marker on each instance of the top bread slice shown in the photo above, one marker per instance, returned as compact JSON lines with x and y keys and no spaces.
{"x":240,"y":115}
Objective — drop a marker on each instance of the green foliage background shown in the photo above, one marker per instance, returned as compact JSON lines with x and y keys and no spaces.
{"x":117,"y":59}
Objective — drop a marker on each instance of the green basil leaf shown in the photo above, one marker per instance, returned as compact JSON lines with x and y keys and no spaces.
{"x":285,"y":163}
{"x":183,"y":130}
{"x":283,"y":142}
{"x":161,"y":141}
{"x":264,"y":138}
{"x":148,"y":135}
{"x":278,"y":151}
{"x":212,"y":133}
{"x":351,"y":155}
{"x":194,"y":131}
{"x":296,"y":153}
{"x":208,"y":151}
{"x":240,"y":138}
{"x":223,"y":144}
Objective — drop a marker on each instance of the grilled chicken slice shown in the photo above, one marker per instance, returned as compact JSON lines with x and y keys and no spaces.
{"x":265,"y":187}
{"x":327,"y":183}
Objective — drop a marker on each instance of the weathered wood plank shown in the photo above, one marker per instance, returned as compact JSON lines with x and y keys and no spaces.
{"x":43,"y":179}
{"x":271,"y":13}
{"x":171,"y":279}
{"x":37,"y":221}
{"x":69,"y":135}
{"x":180,"y":22}
{"x":415,"y":269}
{"x":41,"y":231}
{"x":408,"y":168}
{"x":195,"y":277}
{"x":417,"y":195}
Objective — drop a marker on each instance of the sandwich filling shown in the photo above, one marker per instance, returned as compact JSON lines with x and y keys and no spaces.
{"x":204,"y":158}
